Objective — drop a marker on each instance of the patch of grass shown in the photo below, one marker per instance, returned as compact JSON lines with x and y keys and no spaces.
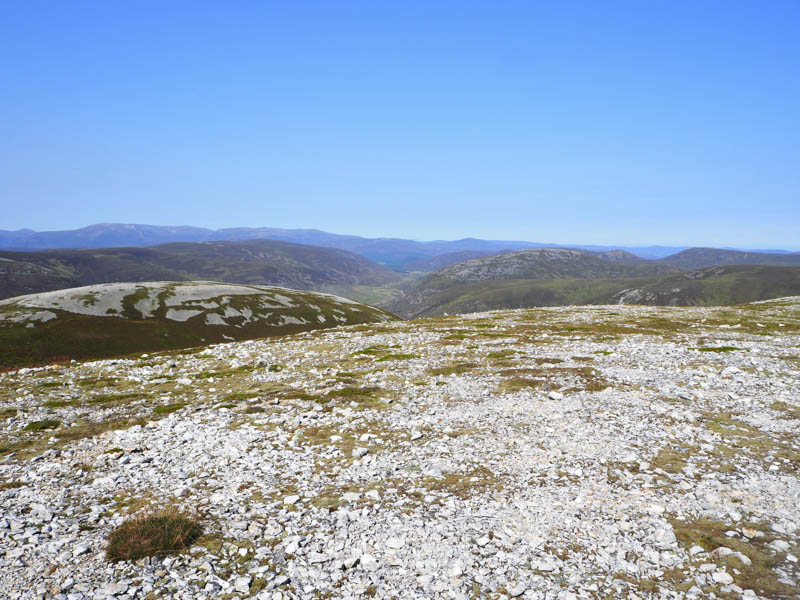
{"x":160,"y":534}
{"x":399,"y":356}
{"x":456,"y":369}
{"x":7,"y":413}
{"x":238,"y":397}
{"x":500,"y":354}
{"x":350,"y":392}
{"x":12,"y":447}
{"x":95,"y":382}
{"x":166,"y":409}
{"x":225,"y":372}
{"x":671,"y":461}
{"x":578,"y":378}
{"x":42,"y":425}
{"x":50,"y":384}
{"x":464,"y":485}
{"x":760,"y":576}
{"x":61,"y":403}
{"x":790,"y":412}
{"x":111,"y":398}
{"x":10,"y":485}
{"x":718,"y":349}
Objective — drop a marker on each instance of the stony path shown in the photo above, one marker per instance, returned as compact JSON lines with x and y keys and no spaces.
{"x":603,"y":452}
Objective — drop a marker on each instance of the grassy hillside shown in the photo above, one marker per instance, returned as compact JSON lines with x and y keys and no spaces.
{"x":256,"y":262}
{"x":707,"y":287}
{"x":698,"y":258}
{"x":545,"y":263}
{"x":114,"y":319}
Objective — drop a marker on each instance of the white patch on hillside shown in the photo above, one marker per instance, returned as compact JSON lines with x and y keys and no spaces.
{"x":177,"y":314}
{"x":40,"y":316}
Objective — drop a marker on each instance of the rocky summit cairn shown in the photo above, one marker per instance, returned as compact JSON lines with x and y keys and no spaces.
{"x":603,"y":452}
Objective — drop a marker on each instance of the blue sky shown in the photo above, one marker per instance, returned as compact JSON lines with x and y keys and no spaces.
{"x":659,"y":122}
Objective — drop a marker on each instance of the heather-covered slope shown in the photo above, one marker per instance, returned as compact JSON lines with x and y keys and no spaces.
{"x":119,"y":318}
{"x":703,"y":287}
{"x":698,"y":258}
{"x":255,"y":262}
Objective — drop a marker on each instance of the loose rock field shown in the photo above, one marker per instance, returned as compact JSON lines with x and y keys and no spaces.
{"x":591,"y":452}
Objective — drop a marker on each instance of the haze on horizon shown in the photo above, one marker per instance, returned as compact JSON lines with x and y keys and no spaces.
{"x":670,"y":123}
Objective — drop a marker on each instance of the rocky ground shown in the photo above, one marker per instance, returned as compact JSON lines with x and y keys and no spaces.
{"x":603,"y":452}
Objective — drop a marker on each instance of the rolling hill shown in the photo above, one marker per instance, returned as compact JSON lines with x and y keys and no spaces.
{"x":557,"y":277}
{"x":120,"y":318}
{"x":256,"y":262}
{"x":698,"y":258}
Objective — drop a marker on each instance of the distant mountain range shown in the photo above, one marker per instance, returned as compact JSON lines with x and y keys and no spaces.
{"x":395,"y":253}
{"x":425,"y":278}
{"x":254,"y":262}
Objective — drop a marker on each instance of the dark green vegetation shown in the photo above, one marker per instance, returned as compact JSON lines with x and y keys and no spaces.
{"x":715,"y":286}
{"x":151,"y":317}
{"x":256,"y":262}
{"x":698,"y":258}
{"x":154,"y":535}
{"x":42,"y":425}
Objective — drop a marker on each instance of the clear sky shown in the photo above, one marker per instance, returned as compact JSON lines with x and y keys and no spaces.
{"x":657,"y":122}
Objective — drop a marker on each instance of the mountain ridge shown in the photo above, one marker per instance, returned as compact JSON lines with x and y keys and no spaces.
{"x":262,"y":262}
{"x":394,"y":252}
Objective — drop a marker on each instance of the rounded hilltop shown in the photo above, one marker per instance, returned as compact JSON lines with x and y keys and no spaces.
{"x":117,"y":318}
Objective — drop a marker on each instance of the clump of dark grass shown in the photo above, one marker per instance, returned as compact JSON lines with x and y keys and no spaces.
{"x":159,"y":534}
{"x":42,"y":425}
{"x":166,"y":409}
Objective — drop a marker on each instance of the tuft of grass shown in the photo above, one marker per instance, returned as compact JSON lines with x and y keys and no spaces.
{"x":457,"y":369}
{"x":50,"y":384}
{"x":166,"y":409}
{"x":42,"y":425}
{"x":61,"y":403}
{"x":7,"y":413}
{"x":718,"y":349}
{"x":159,"y":534}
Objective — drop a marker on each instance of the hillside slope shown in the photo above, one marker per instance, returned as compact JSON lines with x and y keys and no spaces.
{"x":120,"y":318}
{"x":705,"y":287}
{"x":698,"y":258}
{"x":484,"y":276}
{"x":256,"y":262}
